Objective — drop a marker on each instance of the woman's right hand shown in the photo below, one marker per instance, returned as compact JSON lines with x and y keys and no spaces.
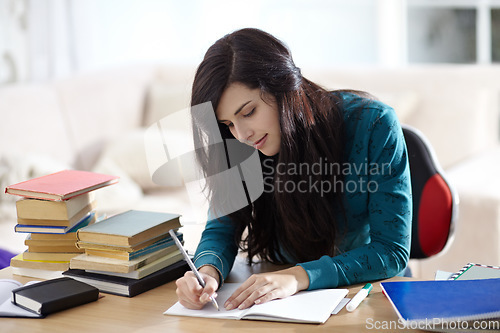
{"x":189,"y":291}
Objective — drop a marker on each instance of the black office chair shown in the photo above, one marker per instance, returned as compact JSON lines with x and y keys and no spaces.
{"x":435,"y":202}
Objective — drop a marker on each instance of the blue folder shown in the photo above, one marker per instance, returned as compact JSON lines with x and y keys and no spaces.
{"x":463,"y":300}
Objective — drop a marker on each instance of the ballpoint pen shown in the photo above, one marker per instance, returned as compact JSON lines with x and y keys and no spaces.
{"x":360,"y":296}
{"x":191,"y":265}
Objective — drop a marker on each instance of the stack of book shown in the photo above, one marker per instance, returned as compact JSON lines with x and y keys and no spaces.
{"x":51,"y":210}
{"x":129,"y":253}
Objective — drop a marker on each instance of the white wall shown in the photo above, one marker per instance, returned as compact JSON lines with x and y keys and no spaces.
{"x":13,"y":41}
{"x":63,"y":36}
{"x":319,"y":32}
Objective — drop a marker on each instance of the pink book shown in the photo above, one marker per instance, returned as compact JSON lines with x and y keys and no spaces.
{"x":62,"y":185}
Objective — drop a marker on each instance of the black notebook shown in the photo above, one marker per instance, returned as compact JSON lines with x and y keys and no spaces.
{"x":122,"y":286}
{"x":54,"y":295}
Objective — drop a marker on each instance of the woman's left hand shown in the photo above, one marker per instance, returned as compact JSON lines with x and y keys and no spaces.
{"x":261,"y":288}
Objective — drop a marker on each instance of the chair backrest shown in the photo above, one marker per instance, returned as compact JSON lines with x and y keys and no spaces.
{"x":435,"y":202}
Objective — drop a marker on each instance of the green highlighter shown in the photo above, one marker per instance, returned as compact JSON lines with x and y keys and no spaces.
{"x":359,"y":297}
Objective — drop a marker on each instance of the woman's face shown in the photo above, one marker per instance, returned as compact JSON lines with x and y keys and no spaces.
{"x":250,"y":119}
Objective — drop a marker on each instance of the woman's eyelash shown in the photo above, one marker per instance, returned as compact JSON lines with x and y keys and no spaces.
{"x":249,"y":113}
{"x":246,"y":115}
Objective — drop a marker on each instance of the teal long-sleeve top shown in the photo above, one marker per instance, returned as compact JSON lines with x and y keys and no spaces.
{"x":377,"y":203}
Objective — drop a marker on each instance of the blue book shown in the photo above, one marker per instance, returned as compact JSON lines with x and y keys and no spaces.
{"x":164,"y":243}
{"x":129,"y":228}
{"x":114,"y":252}
{"x":49,"y":229}
{"x":443,"y":305}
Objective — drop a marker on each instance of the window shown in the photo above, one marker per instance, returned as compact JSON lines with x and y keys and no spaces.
{"x":460,"y":31}
{"x":495,"y":35}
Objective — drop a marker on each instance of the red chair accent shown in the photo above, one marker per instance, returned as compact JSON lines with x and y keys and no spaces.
{"x":435,"y":202}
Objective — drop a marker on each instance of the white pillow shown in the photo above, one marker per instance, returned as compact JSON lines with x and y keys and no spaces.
{"x":117,"y":197}
{"x":128,"y":154}
{"x":16,"y":167}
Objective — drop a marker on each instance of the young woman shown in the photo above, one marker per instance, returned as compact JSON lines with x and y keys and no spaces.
{"x":355,"y":229}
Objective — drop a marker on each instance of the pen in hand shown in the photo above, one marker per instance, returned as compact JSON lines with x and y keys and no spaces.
{"x":191,"y":265}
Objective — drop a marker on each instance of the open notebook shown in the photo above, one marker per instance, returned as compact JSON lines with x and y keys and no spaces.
{"x":7,"y":308}
{"x":314,"y":307}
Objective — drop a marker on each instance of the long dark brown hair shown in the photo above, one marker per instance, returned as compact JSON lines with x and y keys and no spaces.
{"x":302,"y":224}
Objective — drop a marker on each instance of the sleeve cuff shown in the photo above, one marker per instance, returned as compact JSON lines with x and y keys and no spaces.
{"x":221,"y":280}
{"x":322,"y":274}
{"x":209,"y":258}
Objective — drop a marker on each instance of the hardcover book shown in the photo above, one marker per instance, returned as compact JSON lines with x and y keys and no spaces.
{"x":148,"y":269}
{"x":61,"y":185}
{"x":55,"y":248}
{"x":52,"y":210}
{"x":60,"y":223}
{"x":19,"y":262}
{"x":69,"y":236}
{"x":111,"y":247}
{"x":49,"y":256}
{"x":54,"y":295}
{"x":31,"y":241}
{"x":49,"y":229}
{"x":98,"y":263}
{"x":129,"y":228}
{"x":126,"y":254}
{"x":130,"y":287}
{"x":38,"y":273}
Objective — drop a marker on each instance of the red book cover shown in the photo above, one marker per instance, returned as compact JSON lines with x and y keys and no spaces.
{"x":62,"y":185}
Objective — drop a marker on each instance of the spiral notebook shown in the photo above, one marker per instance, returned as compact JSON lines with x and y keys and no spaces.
{"x":444,"y":301}
{"x":473,"y":271}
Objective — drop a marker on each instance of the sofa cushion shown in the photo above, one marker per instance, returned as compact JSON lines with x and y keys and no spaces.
{"x":117,"y":197}
{"x":128,"y":154}
{"x":457,"y":107}
{"x":169,"y":92}
{"x":33,"y":122}
{"x":16,"y":167}
{"x":102,"y":106}
{"x":478,"y":176}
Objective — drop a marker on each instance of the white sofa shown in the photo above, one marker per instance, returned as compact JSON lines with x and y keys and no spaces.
{"x":458,"y":109}
{"x":97,"y":121}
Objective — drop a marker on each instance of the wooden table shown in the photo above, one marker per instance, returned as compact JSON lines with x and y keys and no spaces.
{"x":144,"y":313}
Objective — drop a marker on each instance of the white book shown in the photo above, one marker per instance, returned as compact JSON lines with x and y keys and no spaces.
{"x":313,"y":307}
{"x":36,"y":273}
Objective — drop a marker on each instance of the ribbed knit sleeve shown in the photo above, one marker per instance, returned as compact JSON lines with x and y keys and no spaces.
{"x":376,"y":152}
